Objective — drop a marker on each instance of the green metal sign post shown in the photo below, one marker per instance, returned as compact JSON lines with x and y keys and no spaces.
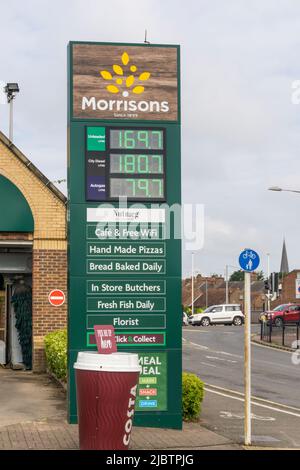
{"x":123,"y":176}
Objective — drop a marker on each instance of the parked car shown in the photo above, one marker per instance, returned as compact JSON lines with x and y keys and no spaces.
{"x":185,"y":319}
{"x":226,"y":314}
{"x":289,"y":313}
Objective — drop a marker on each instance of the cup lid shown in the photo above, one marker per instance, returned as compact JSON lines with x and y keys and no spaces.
{"x":115,"y":362}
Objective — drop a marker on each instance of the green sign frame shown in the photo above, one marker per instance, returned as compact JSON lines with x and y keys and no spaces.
{"x":165,"y":321}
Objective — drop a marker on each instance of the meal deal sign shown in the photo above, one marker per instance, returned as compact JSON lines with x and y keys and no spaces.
{"x":152,"y":388}
{"x":124,"y":178}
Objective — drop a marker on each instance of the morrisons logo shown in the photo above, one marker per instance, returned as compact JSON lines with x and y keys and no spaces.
{"x":125,"y":105}
{"x":125,"y":80}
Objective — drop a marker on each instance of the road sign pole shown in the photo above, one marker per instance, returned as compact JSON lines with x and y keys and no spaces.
{"x":249,"y":261}
{"x":268,"y":277}
{"x":226,"y":284}
{"x":247,"y":359}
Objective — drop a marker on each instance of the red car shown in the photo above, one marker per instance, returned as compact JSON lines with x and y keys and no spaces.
{"x":282,"y":313}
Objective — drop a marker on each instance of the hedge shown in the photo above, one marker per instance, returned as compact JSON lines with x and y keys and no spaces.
{"x":56,"y":353}
{"x":192,"y":396}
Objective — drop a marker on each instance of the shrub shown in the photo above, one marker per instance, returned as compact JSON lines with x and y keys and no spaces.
{"x":187,"y":310}
{"x":56,"y":353}
{"x":192,"y":396}
{"x":199,"y":310}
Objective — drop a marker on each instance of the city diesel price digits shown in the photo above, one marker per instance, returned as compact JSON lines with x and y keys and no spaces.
{"x":135,"y":163}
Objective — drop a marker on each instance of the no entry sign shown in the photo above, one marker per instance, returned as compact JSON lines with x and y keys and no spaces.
{"x":56,"y":297}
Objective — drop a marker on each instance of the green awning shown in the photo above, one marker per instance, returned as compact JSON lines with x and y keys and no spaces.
{"x":15,"y":213}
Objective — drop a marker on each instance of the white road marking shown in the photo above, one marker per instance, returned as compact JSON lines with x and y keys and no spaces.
{"x":214,"y":357}
{"x":229,"y":354}
{"x":199,"y":346}
{"x":207,"y":364}
{"x":228,"y":390}
{"x":260,"y":362}
{"x":221,"y":359}
{"x":229,"y":414}
{"x":297,"y":415}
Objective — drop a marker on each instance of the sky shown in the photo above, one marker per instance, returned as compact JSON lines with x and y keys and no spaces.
{"x":240,"y":129}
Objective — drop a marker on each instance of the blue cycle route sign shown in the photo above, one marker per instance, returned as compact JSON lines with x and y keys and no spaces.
{"x":249,"y":260}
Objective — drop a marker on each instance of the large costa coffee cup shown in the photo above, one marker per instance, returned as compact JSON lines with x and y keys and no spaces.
{"x":106,"y":386}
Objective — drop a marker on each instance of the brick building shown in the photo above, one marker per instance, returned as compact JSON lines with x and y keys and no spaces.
{"x":211,"y":290}
{"x":33,"y":251}
{"x":289,"y":290}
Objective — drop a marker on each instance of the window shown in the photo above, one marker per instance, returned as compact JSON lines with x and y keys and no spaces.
{"x":217,"y":309}
{"x":209,"y":309}
{"x":295,"y":308}
{"x":232,"y":308}
{"x":280,"y":308}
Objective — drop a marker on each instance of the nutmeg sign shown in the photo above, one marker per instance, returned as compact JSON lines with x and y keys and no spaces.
{"x":125,"y":82}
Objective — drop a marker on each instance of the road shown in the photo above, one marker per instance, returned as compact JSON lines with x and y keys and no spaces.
{"x":215,"y":354}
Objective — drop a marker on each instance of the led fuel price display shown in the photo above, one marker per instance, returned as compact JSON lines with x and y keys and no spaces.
{"x":136,"y":139}
{"x":137,"y":188}
{"x":139,"y":164}
{"x":125,"y":162}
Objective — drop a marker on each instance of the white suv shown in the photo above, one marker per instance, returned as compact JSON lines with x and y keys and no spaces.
{"x":222,"y":314}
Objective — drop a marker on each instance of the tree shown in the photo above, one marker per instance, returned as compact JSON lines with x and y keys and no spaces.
{"x":260,"y":275}
{"x":237,"y":275}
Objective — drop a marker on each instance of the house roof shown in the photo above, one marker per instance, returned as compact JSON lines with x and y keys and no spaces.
{"x":216,"y":291}
{"x":31,"y":167}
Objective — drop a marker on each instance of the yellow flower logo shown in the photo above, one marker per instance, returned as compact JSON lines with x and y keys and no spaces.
{"x":126,"y":82}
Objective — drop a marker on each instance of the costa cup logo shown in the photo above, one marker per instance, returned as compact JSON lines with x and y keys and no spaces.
{"x":130,"y":413}
{"x":123,"y":79}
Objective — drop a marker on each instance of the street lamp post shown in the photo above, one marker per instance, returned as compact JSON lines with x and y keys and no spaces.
{"x":268,"y":277}
{"x":193,"y":283}
{"x":226,"y":284}
{"x":277,"y":188}
{"x":11,"y":90}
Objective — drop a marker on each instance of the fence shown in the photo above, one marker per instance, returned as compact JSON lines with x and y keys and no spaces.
{"x":285,"y":335}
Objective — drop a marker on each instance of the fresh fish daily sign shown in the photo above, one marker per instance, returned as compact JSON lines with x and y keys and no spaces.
{"x":123,"y":174}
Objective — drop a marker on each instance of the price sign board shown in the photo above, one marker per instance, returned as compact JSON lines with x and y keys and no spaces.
{"x":123,"y":175}
{"x":125,"y":162}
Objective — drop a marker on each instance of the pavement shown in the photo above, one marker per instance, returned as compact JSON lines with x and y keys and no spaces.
{"x":33,"y":407}
{"x":33,"y":417}
{"x":215,"y":354}
{"x":286,"y":341}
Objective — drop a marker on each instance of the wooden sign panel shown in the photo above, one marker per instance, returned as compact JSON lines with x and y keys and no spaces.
{"x":125,"y":82}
